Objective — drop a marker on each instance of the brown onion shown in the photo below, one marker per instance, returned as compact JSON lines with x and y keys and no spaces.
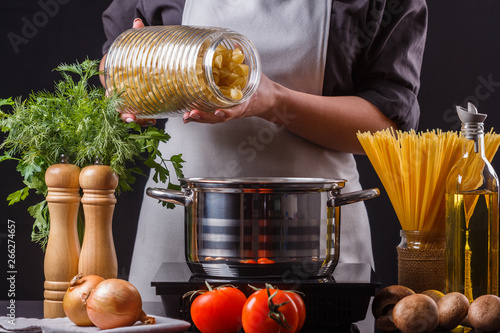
{"x":116,"y":303}
{"x":74,"y":299}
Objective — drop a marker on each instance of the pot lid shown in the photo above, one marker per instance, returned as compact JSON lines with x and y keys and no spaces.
{"x":254,"y":183}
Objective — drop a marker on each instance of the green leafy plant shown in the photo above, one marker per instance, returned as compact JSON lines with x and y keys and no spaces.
{"x":80,"y":123}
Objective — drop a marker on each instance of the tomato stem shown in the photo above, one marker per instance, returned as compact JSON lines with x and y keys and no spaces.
{"x":274,"y":312}
{"x":209,"y":287}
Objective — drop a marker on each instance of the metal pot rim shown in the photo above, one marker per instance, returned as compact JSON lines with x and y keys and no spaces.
{"x":296,"y":183}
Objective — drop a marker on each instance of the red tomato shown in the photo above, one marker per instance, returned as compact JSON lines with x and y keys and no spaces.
{"x":270,"y":311}
{"x":218,"y":310}
{"x":265,"y":261}
{"x":301,"y":307}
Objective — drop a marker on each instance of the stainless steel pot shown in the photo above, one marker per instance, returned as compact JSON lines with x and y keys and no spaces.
{"x":262,"y":227}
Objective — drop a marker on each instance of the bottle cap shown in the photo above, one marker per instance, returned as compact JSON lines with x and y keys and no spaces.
{"x":470,"y":115}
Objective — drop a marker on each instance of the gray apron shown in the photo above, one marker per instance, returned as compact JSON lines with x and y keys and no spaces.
{"x":291,"y":38}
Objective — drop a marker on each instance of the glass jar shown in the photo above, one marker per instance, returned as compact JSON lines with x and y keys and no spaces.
{"x":163,"y":71}
{"x":421,"y":260}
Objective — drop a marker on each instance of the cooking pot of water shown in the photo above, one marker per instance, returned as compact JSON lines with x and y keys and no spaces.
{"x":262,"y":227}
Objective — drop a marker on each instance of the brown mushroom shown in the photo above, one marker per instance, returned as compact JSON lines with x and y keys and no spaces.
{"x":452,"y":310}
{"x":416,"y":314}
{"x":484,"y":313}
{"x":383,"y":304}
{"x":386,"y":299}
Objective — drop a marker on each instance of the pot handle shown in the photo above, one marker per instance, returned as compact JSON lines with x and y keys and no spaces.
{"x":352,"y":197}
{"x":172,"y":196}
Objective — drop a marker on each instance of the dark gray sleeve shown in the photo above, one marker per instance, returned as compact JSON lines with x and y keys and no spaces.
{"x":120,"y":15}
{"x":375,"y":52}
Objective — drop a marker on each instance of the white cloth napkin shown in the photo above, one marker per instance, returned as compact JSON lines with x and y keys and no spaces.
{"x":64,"y":325}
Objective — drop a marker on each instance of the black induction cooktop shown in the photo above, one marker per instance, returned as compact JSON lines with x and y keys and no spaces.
{"x":333,"y":303}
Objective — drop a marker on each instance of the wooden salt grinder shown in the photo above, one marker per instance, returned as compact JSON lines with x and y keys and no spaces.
{"x":63,"y":247}
{"x":98,"y":255}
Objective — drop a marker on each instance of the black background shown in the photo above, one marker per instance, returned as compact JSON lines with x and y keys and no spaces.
{"x":463,"y":51}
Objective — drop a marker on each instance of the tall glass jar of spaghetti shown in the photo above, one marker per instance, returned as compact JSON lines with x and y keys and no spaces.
{"x":472,"y":215}
{"x":163,"y":71}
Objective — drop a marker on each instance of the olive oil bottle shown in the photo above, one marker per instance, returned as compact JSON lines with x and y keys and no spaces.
{"x":472,"y":215}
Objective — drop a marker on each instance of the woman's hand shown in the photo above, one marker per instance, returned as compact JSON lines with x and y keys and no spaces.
{"x":261,"y":102}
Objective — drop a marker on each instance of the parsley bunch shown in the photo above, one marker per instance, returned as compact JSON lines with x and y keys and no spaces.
{"x":80,"y":122}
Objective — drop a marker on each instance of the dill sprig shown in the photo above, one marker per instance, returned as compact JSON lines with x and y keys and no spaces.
{"x":78,"y":121}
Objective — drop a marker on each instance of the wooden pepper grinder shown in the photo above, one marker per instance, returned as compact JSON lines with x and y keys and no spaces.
{"x":98,"y":255}
{"x":63,"y":247}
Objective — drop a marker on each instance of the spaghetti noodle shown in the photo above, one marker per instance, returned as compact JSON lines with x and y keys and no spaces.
{"x":413,"y":168}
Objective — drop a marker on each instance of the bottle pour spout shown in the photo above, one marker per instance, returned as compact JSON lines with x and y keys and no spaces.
{"x":470,"y":115}
{"x":472,"y":123}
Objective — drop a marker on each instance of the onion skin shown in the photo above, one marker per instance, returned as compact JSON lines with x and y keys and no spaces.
{"x":116,"y":303}
{"x":74,"y":299}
